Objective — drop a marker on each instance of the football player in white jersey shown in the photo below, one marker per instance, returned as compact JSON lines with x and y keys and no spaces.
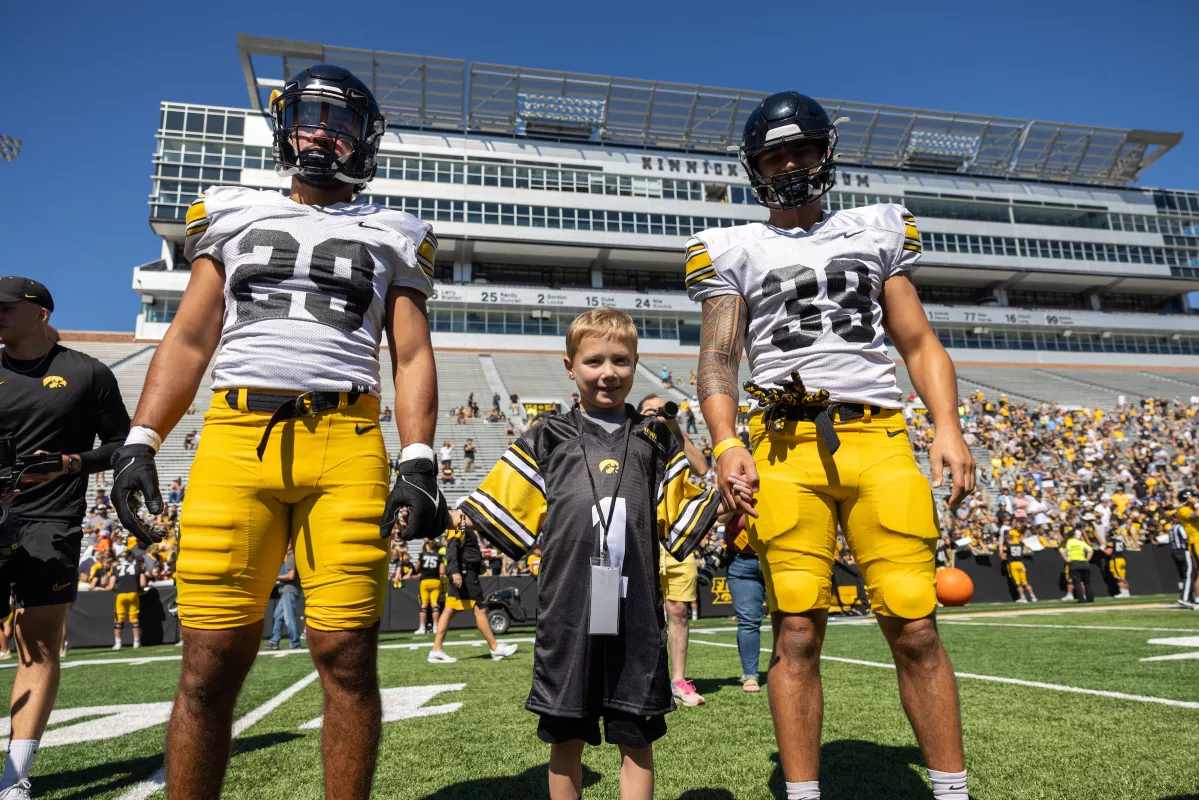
{"x":297,"y":291}
{"x":811,"y":295}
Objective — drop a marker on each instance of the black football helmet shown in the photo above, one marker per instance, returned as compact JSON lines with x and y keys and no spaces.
{"x":1187,"y":496}
{"x":335,"y":113}
{"x":781,"y":118}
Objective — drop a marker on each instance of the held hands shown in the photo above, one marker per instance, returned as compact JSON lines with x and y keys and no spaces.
{"x":737,"y":480}
{"x":134,"y":474}
{"x":416,"y":490}
{"x":949,"y":451}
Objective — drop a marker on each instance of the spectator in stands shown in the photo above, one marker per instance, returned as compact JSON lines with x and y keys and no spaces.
{"x":447,"y":452}
{"x":689,"y":417}
{"x":692,"y":379}
{"x":574,"y":399}
{"x":189,"y":441}
{"x":385,"y":414}
{"x":103,"y":572}
{"x":461,"y":416}
{"x":494,"y":415}
{"x":665,"y":377}
{"x":513,"y":411}
{"x":468,"y":456}
{"x":706,"y":449}
{"x":288,"y":586}
{"x":447,"y":474}
{"x":514,"y":399}
{"x":175,"y":495}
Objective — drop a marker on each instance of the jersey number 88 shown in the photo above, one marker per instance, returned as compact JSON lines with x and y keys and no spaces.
{"x":852,"y":320}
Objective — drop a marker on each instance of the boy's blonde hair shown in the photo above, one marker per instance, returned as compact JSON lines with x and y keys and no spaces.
{"x":607,"y":323}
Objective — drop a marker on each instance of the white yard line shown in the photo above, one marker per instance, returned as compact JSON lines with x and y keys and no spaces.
{"x":83,"y":662}
{"x":1056,"y":687}
{"x":952,"y":621}
{"x":148,"y":787}
{"x":1063,"y":609}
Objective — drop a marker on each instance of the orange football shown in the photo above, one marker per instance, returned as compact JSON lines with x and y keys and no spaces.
{"x":954,"y":587}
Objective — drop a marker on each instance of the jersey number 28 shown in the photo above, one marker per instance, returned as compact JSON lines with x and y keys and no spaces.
{"x":356,"y":289}
{"x":852,"y":319}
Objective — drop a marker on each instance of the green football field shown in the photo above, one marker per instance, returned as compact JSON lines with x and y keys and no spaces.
{"x":1057,"y":703}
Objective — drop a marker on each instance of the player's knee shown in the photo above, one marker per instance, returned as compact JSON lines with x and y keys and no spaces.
{"x":796,"y":592}
{"x":906,"y":596}
{"x":917,"y":643}
{"x":798,"y":644}
{"x":346,"y":660}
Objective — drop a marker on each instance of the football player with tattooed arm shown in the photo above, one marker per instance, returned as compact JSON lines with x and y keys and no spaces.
{"x":811,"y":295}
{"x":297,"y":291}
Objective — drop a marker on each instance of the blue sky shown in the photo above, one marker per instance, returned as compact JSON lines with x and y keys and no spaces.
{"x":85,"y":81}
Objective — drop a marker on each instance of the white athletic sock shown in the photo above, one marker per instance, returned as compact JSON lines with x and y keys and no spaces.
{"x":948,"y":785}
{"x":803,"y":790}
{"x":18,"y":762}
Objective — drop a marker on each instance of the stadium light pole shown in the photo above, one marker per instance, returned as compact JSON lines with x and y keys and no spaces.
{"x":10,"y":148}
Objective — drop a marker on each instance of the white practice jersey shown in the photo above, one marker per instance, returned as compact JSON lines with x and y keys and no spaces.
{"x":305,"y":286}
{"x":813,"y":296}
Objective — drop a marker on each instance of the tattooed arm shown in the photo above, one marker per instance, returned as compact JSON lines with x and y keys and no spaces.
{"x":721,"y":337}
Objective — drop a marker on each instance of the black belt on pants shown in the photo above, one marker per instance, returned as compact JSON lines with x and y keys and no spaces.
{"x":306,"y":404}
{"x":822,"y":415}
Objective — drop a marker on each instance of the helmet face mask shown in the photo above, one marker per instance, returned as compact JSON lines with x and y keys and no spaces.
{"x":791,"y":121}
{"x":327,"y":128}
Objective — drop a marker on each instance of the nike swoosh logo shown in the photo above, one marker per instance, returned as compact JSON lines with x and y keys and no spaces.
{"x":893,"y":434}
{"x":361,"y":429}
{"x":851,"y":234}
{"x":58,"y":587}
{"x":371,"y":227}
{"x":122,"y":469}
{"x":434,"y":498}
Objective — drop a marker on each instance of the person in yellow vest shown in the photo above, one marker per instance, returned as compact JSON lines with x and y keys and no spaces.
{"x":534,"y":561}
{"x":1077,"y":555}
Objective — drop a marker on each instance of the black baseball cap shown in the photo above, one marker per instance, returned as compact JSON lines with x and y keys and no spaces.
{"x":14,"y":289}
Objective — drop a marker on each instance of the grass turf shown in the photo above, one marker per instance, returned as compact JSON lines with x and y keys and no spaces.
{"x":1021,"y":741}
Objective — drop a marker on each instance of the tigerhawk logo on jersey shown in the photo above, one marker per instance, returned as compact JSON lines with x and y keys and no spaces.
{"x":53,"y":382}
{"x":609,"y":466}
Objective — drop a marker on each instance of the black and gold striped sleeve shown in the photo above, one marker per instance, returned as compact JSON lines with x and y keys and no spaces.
{"x":698,"y":262}
{"x":685,"y":511}
{"x":197,"y":217}
{"x":509,"y":506}
{"x":910,"y":248}
{"x":426,"y":253}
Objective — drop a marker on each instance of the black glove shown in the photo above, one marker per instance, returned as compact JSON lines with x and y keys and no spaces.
{"x":133,"y":473}
{"x":416,"y":488}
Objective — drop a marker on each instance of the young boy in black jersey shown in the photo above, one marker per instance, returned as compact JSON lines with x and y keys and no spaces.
{"x":599,"y":479}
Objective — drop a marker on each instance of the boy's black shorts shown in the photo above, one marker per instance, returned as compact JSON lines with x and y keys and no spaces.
{"x":620,"y":727}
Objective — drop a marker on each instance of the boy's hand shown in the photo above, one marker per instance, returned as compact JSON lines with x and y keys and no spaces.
{"x":457,"y":579}
{"x":742,"y":496}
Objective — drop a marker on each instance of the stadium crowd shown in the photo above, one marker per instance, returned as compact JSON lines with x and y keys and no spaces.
{"x":1046,"y":470}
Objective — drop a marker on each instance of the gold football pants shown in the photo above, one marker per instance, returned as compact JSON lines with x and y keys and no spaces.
{"x":321,"y":484}
{"x":871,"y":489}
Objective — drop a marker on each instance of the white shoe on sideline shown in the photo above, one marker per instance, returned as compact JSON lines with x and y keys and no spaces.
{"x":115,"y":646}
{"x":137,"y":643}
{"x":440,"y":657}
{"x":18,"y":791}
{"x":419,"y":631}
{"x":1021,"y":600}
{"x":502,"y":651}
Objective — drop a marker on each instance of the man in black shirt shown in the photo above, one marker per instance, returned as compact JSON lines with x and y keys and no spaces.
{"x":58,"y":401}
{"x":463,"y":560}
